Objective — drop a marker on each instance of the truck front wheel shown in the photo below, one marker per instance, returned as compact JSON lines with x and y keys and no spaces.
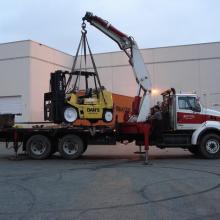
{"x":210,"y":146}
{"x":71,"y":146}
{"x":38,"y":147}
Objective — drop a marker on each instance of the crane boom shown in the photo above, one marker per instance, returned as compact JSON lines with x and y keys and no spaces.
{"x":123,"y":41}
{"x":130,"y":47}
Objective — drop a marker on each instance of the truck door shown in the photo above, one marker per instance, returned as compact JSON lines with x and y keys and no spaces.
{"x":189,"y":113}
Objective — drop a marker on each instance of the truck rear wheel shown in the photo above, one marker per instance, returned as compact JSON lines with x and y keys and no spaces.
{"x":38,"y":147}
{"x":71,"y":146}
{"x":210,"y":146}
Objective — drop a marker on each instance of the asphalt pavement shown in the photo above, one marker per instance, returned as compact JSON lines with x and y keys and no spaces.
{"x":110,"y":182}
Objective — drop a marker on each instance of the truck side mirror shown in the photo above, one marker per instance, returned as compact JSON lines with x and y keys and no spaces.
{"x":197,"y":108}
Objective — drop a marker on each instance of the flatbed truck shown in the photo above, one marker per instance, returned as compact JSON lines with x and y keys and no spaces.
{"x":186,"y":123}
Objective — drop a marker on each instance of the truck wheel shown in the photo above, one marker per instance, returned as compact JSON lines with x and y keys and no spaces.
{"x":70,"y":114}
{"x":38,"y":147}
{"x":107,"y":116}
{"x":210,"y":146}
{"x":71,"y":146}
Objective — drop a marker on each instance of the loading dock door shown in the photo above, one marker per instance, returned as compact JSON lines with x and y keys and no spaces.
{"x":10,"y":104}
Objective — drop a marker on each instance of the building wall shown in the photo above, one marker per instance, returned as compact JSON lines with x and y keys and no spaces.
{"x":189,"y":68}
{"x":14,"y":73}
{"x":25,"y":69}
{"x":43,"y":61}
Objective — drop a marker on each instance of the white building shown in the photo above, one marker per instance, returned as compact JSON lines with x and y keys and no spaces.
{"x":25,"y":68}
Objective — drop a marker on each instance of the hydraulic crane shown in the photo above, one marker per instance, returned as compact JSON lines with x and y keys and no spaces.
{"x":130,"y":47}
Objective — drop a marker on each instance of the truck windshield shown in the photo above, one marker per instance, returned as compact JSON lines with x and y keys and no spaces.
{"x":188,"y":102}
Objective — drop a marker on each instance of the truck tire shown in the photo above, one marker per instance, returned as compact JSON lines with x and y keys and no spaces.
{"x":71,"y":146}
{"x":210,"y":146}
{"x":38,"y":147}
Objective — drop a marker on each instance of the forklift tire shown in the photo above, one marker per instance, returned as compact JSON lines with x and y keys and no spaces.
{"x":38,"y":147}
{"x":210,"y":146}
{"x":71,"y":146}
{"x":107,"y":116}
{"x":70,"y":114}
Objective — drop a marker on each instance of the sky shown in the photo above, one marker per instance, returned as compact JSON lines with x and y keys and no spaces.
{"x":152,"y":23}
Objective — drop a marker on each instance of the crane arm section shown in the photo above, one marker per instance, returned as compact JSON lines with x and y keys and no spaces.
{"x":123,"y":41}
{"x":130,"y":47}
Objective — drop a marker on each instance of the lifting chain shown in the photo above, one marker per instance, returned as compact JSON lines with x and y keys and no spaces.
{"x":83,"y":44}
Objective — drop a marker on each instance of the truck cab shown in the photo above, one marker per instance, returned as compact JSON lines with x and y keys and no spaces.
{"x":188,"y":124}
{"x":185,"y":112}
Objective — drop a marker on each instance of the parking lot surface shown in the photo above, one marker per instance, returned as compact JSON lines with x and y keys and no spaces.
{"x":110,"y":182}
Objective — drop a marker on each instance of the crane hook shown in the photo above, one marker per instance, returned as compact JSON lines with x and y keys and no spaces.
{"x":84,"y":31}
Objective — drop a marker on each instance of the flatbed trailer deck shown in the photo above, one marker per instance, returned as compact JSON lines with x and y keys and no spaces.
{"x":41,"y":141}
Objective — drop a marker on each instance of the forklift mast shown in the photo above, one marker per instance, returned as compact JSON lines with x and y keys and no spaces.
{"x":54,"y":100}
